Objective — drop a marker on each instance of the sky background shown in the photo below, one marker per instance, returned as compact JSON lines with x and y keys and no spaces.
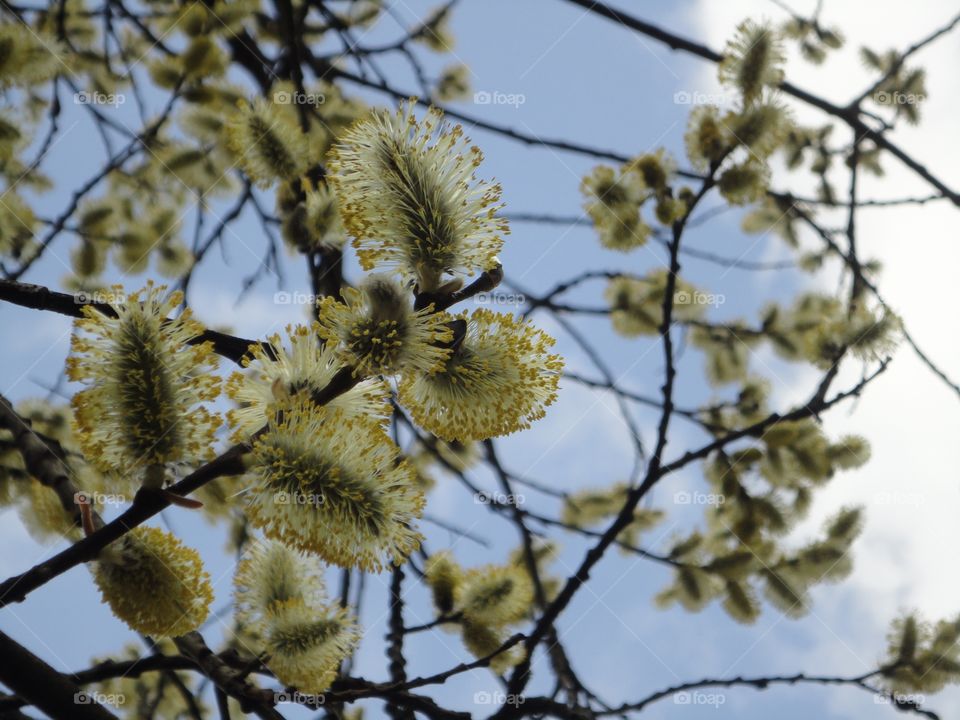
{"x":585,"y":79}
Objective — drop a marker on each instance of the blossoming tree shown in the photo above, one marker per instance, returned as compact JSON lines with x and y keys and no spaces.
{"x":317,"y":450}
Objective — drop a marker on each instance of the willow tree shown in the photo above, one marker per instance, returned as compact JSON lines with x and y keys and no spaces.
{"x":315,"y":450}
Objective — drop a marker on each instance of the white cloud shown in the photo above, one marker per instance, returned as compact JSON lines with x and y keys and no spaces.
{"x":911,"y":486}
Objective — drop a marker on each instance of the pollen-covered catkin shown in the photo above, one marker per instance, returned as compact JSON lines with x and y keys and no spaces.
{"x":146,"y":384}
{"x":409,"y":195}
{"x":154,"y":583}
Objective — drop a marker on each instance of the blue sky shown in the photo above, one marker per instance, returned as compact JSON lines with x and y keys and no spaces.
{"x":587,"y":80}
